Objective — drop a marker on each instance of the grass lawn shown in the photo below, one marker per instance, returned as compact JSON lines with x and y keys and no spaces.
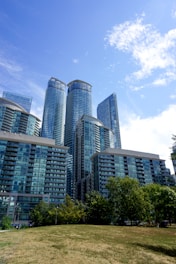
{"x":88,"y":244}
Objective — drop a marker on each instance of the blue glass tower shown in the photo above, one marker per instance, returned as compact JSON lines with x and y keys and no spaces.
{"x":107,"y":112}
{"x":79,"y":102}
{"x":54,"y":111}
{"x":91,"y":136}
{"x":21,"y":100}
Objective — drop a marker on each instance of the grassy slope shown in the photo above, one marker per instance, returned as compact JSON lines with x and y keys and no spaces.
{"x":84,"y":244}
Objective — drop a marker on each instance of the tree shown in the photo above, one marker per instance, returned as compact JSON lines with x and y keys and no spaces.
{"x":6,"y":222}
{"x":128,"y":200}
{"x":98,"y":210}
{"x":163,"y":200}
{"x":71,"y":212}
{"x":42,"y":214}
{"x":167,"y":203}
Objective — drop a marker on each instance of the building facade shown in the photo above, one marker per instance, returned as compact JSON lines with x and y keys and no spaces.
{"x":31,"y":169}
{"x":107,"y":112}
{"x":145,"y":167}
{"x":79,"y":102}
{"x":91,"y":136}
{"x":21,"y":100}
{"x":15,"y":119}
{"x":54,"y":111}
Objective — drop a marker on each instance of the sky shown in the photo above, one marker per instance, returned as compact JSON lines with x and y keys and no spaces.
{"x":123,"y":47}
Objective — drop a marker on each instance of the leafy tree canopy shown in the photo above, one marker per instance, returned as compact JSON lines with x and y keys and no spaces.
{"x":128,"y":200}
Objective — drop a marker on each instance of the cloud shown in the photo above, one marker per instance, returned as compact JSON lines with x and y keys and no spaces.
{"x":165,"y":78}
{"x":75,"y":61}
{"x":152,"y":134}
{"x":9,"y":65}
{"x":173,"y":96}
{"x":150,"y":50}
{"x":35,"y":89}
{"x":173,"y":13}
{"x":136,"y":88}
{"x":160,"y":82}
{"x":111,"y":67}
{"x":14,"y":77}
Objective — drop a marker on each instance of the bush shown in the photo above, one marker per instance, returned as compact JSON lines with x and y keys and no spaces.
{"x":6,"y":222}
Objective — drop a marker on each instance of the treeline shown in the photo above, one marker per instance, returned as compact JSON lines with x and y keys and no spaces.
{"x":127,"y":202}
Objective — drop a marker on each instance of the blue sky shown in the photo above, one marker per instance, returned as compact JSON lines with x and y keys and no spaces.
{"x":127,"y":47}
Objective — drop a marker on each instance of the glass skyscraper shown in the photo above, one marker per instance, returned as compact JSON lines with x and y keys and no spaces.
{"x":79,"y":102}
{"x":107,"y":112}
{"x":54,"y":111}
{"x":21,"y":100}
{"x":91,"y":136}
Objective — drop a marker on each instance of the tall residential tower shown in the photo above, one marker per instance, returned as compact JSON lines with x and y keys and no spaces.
{"x":79,"y":102}
{"x":91,"y":136}
{"x":107,"y":112}
{"x":54,"y":111}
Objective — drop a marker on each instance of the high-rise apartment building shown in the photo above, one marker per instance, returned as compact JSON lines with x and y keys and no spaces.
{"x":145,"y":167}
{"x":31,"y":169}
{"x":14,"y":118}
{"x":91,"y":136}
{"x":79,"y":102}
{"x":107,"y":112}
{"x":21,"y":100}
{"x":54,"y":111}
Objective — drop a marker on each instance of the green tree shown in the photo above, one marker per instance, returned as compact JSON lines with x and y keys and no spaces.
{"x":163,"y":200}
{"x":71,"y":212}
{"x":6,"y":222}
{"x":98,"y":209}
{"x":128,"y":200}
{"x":42,"y":214}
{"x":167,"y":203}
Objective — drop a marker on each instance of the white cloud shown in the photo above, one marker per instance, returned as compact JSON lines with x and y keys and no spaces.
{"x":173,"y":96}
{"x":75,"y":61}
{"x":152,"y":135}
{"x":160,"y":82}
{"x":165,"y":78}
{"x":37,"y":111}
{"x":150,"y":50}
{"x":136,"y":88}
{"x":9,"y":65}
{"x":35,"y":89}
{"x":111,"y":67}
{"x":173,"y":13}
{"x":38,"y":94}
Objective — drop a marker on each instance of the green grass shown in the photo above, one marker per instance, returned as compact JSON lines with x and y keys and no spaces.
{"x":84,"y":244}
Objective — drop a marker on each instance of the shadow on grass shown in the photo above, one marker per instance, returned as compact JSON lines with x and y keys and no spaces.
{"x":2,"y":261}
{"x":171,"y":252}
